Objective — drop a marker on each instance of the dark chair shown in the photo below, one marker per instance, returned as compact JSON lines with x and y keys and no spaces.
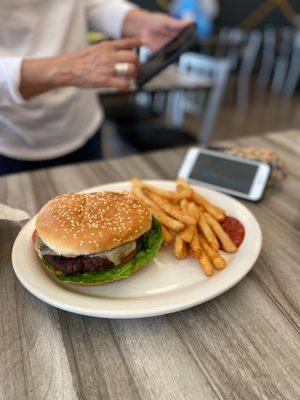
{"x":140,"y":128}
{"x":152,"y":135}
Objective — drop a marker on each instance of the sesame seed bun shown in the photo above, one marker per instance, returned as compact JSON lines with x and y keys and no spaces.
{"x":78,"y":224}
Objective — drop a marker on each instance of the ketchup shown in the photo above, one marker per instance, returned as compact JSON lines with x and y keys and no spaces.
{"x":234,"y":229}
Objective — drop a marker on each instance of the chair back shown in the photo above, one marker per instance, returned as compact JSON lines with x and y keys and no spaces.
{"x":193,"y":102}
{"x":282,"y":61}
{"x":231,"y":42}
{"x":293,"y":73}
{"x":268,"y":56}
{"x":248,"y":61}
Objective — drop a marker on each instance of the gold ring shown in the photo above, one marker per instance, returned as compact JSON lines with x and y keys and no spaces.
{"x":122,"y":69}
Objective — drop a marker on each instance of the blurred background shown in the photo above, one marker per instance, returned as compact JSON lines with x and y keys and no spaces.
{"x":242,"y":79}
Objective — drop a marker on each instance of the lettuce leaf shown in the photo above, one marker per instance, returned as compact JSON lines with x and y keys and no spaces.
{"x":148,"y":247}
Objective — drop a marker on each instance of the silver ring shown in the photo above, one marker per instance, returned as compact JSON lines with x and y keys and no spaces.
{"x":122,"y":69}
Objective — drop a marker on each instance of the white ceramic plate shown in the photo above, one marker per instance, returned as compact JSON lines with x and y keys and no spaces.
{"x":165,"y":285}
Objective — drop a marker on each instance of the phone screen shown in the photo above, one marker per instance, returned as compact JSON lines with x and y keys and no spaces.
{"x":223,"y":172}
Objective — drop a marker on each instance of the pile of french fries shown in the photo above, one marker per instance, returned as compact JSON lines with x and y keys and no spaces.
{"x":190,"y":222}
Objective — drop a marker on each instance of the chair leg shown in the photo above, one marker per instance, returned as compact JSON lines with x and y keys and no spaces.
{"x":292,"y":78}
{"x":214,"y":102}
{"x":210,"y":114}
{"x":175,"y":107}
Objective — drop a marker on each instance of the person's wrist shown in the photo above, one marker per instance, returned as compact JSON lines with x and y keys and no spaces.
{"x":39,"y":75}
{"x":35,"y":77}
{"x":60,"y":71}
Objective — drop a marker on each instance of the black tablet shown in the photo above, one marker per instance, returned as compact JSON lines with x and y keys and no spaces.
{"x":167,"y":54}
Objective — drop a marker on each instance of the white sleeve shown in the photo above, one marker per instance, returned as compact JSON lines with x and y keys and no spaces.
{"x":108,"y":16}
{"x":10,"y":75}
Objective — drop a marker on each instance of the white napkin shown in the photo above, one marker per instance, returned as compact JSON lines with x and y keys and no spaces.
{"x":12,"y":214}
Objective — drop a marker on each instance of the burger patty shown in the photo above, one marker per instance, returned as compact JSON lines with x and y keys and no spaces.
{"x":88,"y":262}
{"x":70,"y":266}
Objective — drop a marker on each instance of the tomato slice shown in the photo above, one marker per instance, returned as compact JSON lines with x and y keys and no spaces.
{"x":235,"y":230}
{"x":34,"y":236}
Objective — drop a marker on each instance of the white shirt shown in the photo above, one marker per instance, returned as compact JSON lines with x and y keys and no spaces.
{"x":62,"y":120}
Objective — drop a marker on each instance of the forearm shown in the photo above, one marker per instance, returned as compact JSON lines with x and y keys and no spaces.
{"x":39,"y":75}
{"x":90,"y":67}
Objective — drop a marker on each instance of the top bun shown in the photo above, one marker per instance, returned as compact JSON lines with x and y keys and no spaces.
{"x":78,"y":224}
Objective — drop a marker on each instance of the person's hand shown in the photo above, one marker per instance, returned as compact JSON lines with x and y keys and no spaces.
{"x":154,"y":29}
{"x":96,"y":66}
{"x":160,"y":29}
{"x":91,"y":67}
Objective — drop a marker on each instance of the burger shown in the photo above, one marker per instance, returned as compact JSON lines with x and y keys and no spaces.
{"x":95,"y":238}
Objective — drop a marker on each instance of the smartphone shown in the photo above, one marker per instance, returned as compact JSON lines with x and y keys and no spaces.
{"x":167,"y":54}
{"x":234,"y":175}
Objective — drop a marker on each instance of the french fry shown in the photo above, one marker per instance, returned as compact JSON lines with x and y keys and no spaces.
{"x":193,"y":210}
{"x":184,"y":203}
{"x":182,"y":183}
{"x":158,"y":213}
{"x":217,"y":213}
{"x":169,"y":222}
{"x":145,"y":199}
{"x":227,"y":243}
{"x":195,"y":245}
{"x":200,"y":255}
{"x":167,"y":237}
{"x":193,"y":219}
{"x":186,"y":190}
{"x":176,"y":205}
{"x":221,"y":211}
{"x":161,"y":192}
{"x":188,"y":209}
{"x":171,"y":210}
{"x":187,"y":234}
{"x":206,"y":264}
{"x":208,"y":232}
{"x":180,"y":248}
{"x":217,"y":260}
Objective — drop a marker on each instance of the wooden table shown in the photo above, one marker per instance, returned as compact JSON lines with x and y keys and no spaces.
{"x":242,"y":345}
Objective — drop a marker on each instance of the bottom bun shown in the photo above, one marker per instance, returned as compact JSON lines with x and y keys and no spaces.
{"x":148,"y":247}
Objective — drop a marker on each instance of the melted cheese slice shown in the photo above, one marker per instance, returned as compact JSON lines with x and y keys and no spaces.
{"x":114,"y":255}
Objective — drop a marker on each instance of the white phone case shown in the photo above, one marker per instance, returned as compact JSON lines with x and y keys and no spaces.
{"x":258,"y":184}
